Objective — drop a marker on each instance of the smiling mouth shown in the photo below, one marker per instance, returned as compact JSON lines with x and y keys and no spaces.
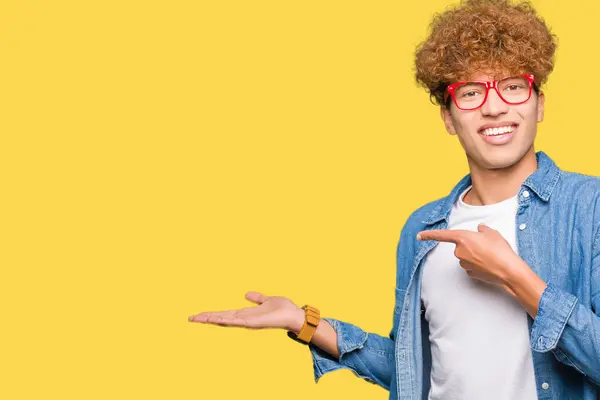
{"x":502,"y":130}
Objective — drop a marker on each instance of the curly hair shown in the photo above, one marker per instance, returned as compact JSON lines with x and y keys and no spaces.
{"x":492,"y":36}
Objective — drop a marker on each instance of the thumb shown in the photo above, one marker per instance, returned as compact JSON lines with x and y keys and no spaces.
{"x":256,"y":297}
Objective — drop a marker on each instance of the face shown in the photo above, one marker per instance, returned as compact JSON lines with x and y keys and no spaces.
{"x":484,"y":149}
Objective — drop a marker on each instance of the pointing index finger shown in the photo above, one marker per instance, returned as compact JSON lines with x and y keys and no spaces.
{"x":441,"y":235}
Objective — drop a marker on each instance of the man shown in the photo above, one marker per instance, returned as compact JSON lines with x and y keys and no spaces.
{"x":498,"y":284}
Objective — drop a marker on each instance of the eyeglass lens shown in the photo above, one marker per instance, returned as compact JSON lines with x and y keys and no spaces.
{"x":512,"y":90}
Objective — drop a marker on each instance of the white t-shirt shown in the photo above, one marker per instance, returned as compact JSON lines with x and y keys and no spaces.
{"x":478,"y":333}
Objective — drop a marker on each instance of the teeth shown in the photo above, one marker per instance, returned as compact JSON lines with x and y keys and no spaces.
{"x":498,"y":131}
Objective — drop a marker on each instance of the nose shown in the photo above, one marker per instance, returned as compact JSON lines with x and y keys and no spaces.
{"x":494,"y":105}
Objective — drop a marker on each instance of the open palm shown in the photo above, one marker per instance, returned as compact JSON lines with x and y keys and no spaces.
{"x":271,"y":312}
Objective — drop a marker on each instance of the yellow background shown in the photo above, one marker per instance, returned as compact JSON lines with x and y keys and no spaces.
{"x":161,"y":158}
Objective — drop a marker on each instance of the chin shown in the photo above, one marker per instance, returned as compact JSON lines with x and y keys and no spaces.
{"x":500,"y":160}
{"x":501,"y":164}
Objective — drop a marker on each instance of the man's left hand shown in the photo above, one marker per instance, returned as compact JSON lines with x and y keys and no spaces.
{"x":484,"y":255}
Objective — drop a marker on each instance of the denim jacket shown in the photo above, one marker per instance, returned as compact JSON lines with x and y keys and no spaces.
{"x":558,"y":236}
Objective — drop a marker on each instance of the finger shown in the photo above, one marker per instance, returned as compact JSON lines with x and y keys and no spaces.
{"x":237,"y":321}
{"x":256,"y":297}
{"x":227,"y":321}
{"x":442,"y":235}
{"x":198,"y":318}
{"x":483,"y":228}
{"x":203,"y":317}
{"x":475,"y":275}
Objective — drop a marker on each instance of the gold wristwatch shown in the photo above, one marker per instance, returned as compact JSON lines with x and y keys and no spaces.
{"x":311,"y":321}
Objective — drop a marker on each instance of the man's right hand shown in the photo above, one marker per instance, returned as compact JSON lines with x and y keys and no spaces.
{"x":271,"y":312}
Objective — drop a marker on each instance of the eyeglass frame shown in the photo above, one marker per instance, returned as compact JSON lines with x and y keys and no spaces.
{"x":489,"y":85}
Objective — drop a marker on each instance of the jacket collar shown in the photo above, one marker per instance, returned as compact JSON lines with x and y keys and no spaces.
{"x":541,"y":182}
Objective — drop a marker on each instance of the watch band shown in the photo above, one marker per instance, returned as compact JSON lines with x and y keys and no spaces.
{"x":311,"y":321}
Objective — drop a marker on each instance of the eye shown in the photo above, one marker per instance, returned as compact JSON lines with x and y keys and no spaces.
{"x":513,"y":87}
{"x":469,"y":93}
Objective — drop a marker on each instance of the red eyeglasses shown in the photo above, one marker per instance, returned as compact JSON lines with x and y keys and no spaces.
{"x":472,"y":95}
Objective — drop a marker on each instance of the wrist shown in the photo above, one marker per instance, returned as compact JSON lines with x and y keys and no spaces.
{"x":516,"y":275}
{"x":312,"y":316}
{"x":297,"y":320}
{"x":528,"y":289}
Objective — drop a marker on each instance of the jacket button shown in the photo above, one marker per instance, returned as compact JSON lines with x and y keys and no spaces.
{"x":545,"y":386}
{"x":526,"y":194}
{"x":522,"y":226}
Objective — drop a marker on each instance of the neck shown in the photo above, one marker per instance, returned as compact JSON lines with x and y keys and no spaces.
{"x":495,"y":185}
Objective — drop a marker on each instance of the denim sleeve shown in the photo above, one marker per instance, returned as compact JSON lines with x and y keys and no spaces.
{"x":570,"y":329}
{"x":368,"y":355}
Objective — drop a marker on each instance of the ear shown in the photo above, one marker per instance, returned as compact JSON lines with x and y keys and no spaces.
{"x":447,"y":118}
{"x":540,"y":106}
